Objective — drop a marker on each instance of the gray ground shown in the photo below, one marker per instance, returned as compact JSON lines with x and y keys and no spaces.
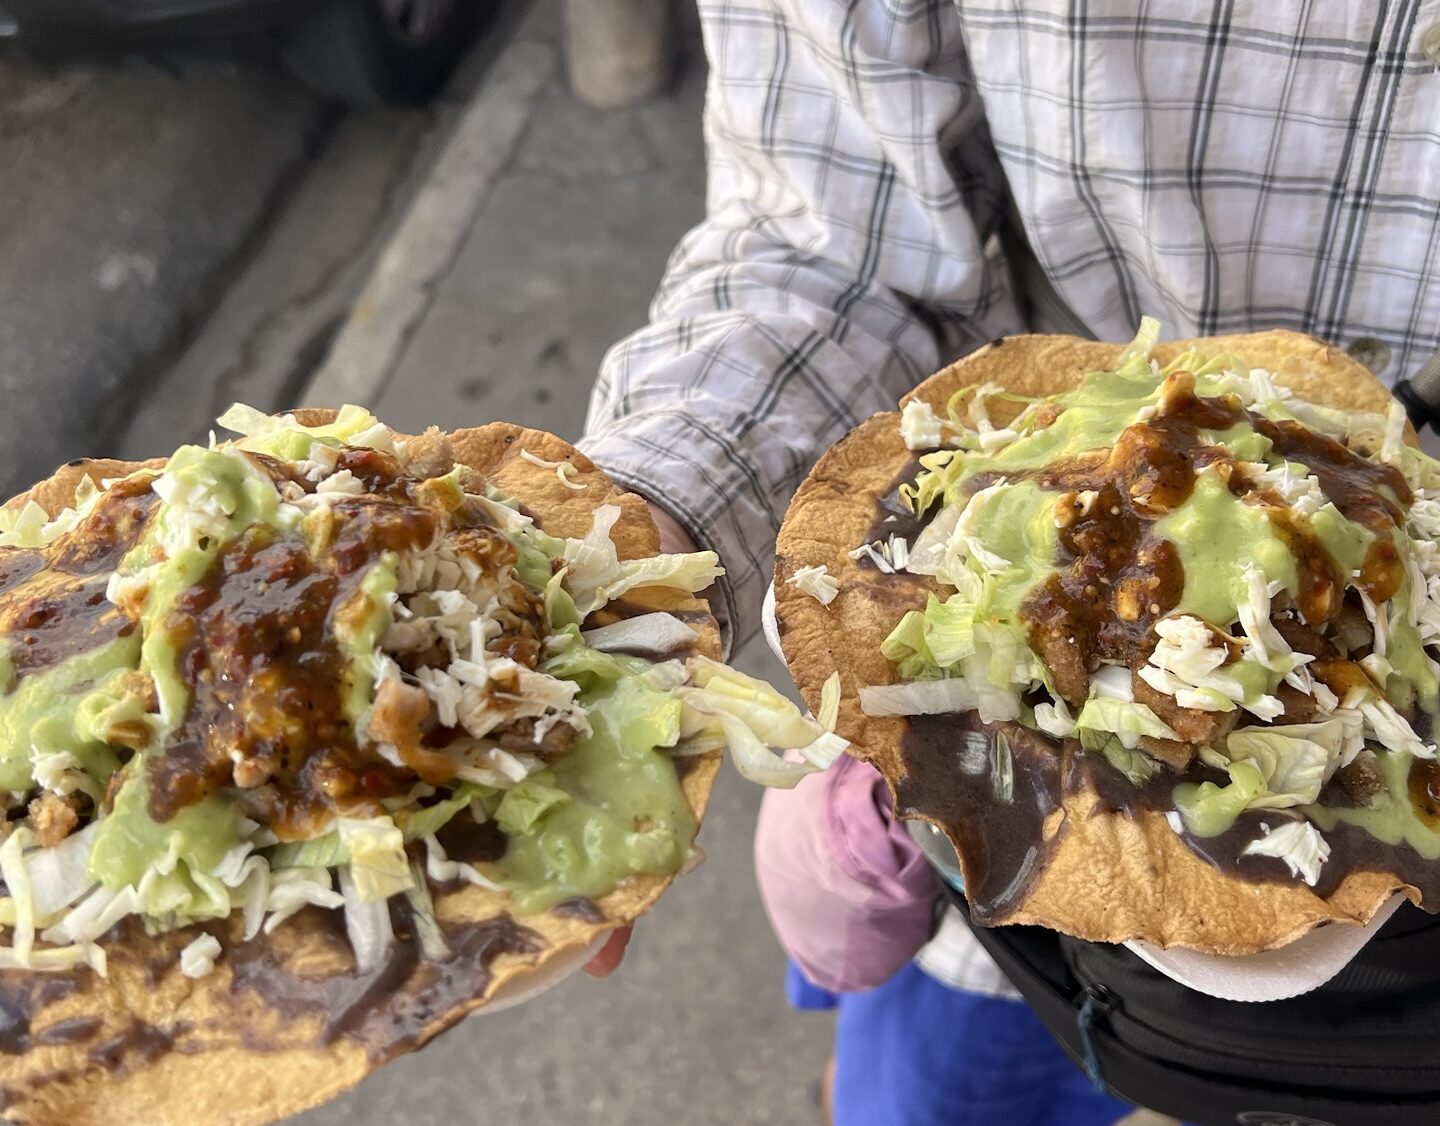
{"x":127,"y":192}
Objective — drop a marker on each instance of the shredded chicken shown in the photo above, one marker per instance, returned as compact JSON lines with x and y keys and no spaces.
{"x":430,"y":454}
{"x":398,"y":718}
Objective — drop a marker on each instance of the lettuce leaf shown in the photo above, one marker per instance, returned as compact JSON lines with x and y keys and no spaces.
{"x":949,"y":630}
{"x":526,"y":804}
{"x":286,"y":438}
{"x":1123,"y":718}
{"x":378,"y":865}
{"x":1295,"y":762}
{"x":753,"y":717}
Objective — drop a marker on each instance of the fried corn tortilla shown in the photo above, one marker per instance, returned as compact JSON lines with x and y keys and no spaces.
{"x":1071,"y":847}
{"x":284,"y":1021}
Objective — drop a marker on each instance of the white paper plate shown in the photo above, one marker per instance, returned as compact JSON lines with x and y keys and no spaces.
{"x":1272,"y":975}
{"x":527,"y":987}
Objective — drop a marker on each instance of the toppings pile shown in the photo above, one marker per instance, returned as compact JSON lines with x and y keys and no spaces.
{"x":320,"y":667}
{"x":1210,"y":584}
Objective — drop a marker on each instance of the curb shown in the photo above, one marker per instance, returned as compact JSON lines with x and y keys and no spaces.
{"x":398,"y":293}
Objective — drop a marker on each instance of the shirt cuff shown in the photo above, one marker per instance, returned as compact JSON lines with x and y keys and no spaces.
{"x":675,"y":463}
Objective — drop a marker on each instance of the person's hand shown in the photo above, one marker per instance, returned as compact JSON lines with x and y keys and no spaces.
{"x":674,"y":539}
{"x":608,"y":958}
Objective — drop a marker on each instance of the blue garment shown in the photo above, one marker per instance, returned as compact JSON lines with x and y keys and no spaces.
{"x":915,"y":1052}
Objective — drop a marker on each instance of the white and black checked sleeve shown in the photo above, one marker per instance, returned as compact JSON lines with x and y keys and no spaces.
{"x":843,"y":249}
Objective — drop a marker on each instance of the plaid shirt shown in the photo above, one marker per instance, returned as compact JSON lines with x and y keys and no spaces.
{"x":1222,"y":166}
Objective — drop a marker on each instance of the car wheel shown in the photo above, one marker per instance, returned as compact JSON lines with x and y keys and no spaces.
{"x":381,"y":52}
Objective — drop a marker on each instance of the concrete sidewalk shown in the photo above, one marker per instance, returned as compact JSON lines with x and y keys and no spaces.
{"x":536,"y":244}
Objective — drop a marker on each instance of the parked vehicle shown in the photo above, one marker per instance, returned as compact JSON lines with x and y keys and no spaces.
{"x":359,"y":52}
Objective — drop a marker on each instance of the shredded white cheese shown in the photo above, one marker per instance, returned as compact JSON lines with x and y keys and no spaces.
{"x":876,"y":553}
{"x":919,"y":426}
{"x":343,"y":483}
{"x":562,"y":469}
{"x":817,"y":582}
{"x":198,"y":959}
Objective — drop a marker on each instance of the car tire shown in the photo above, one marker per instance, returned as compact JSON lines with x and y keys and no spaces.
{"x":381,"y":52}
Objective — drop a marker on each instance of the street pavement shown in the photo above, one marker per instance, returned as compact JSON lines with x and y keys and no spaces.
{"x":128,"y":193}
{"x":558,"y":258}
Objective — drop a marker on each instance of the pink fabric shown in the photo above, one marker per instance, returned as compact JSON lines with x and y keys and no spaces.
{"x":848,"y":891}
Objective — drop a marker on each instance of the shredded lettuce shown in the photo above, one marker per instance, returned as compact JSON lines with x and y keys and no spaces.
{"x":598,"y":575}
{"x":527,"y":803}
{"x":560,"y":608}
{"x":440,"y":868}
{"x":198,"y":958}
{"x":323,"y":851}
{"x":284,"y":437}
{"x":1054,"y":718}
{"x":60,"y":875}
{"x":1139,"y":349}
{"x":907,"y":639}
{"x":17,"y":882}
{"x":422,"y":909}
{"x":691,"y":573}
{"x":657,"y":634}
{"x":378,"y":867}
{"x":586,"y":666}
{"x":423,"y":821}
{"x":1270,"y":768}
{"x":1135,"y":764}
{"x":949,"y":630}
{"x":754,"y":718}
{"x":922,"y":697}
{"x":367,"y":922}
{"x":294,"y":888}
{"x":1125,"y":719}
{"x":829,"y":711}
{"x":920,"y":425}
{"x":1298,"y":843}
{"x":1296,"y":760}
{"x":817,"y":582}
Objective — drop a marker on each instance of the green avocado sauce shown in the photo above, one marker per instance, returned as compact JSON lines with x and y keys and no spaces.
{"x":1390,"y":816}
{"x":130,"y":843}
{"x":1219,"y":537}
{"x":611,"y":807}
{"x":246,"y":498}
{"x":359,"y":632}
{"x":1345,"y":540}
{"x":1016,"y":523}
{"x":64,"y":708}
{"x":1095,"y":415}
{"x":1411,"y":677}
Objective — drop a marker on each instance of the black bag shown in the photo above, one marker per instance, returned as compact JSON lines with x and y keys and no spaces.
{"x":1362,"y":1050}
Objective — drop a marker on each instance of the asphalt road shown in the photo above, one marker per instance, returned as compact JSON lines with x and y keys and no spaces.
{"x":129,"y":195}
